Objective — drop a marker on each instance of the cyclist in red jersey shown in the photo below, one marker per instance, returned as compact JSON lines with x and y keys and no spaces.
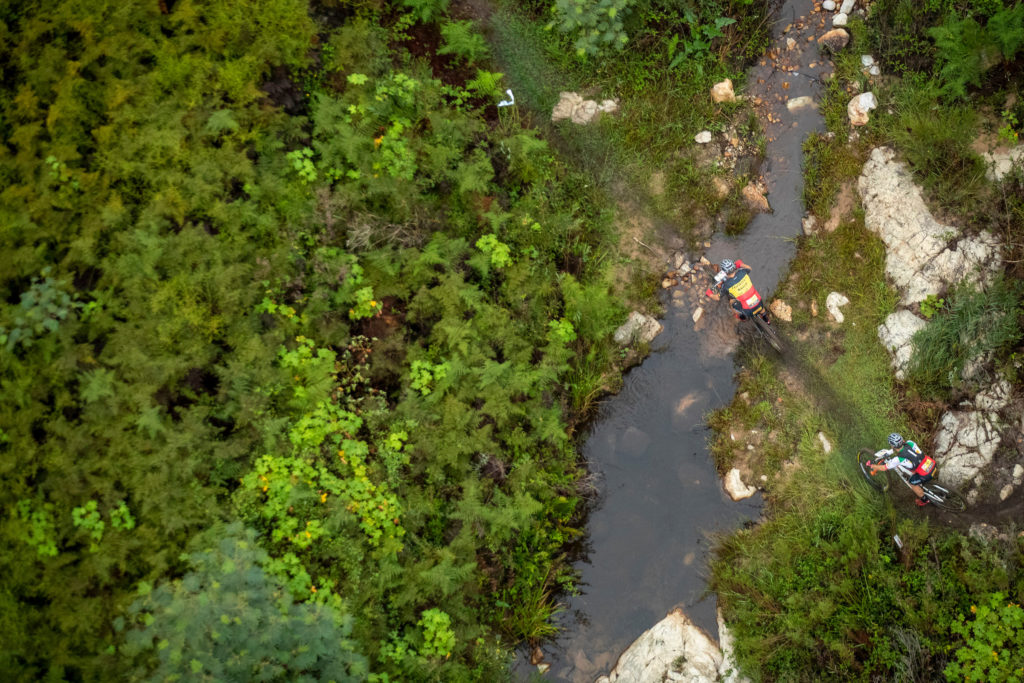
{"x":734,"y":278}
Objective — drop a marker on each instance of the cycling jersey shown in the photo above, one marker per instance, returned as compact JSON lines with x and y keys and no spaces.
{"x":741,"y":289}
{"x":910,"y":459}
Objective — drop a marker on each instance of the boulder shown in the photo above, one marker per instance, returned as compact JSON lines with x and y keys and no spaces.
{"x":638,"y":327}
{"x":840,"y":19}
{"x":674,"y":649}
{"x":735,"y":487}
{"x":722,"y":92}
{"x":802,"y":102}
{"x":995,"y":398}
{"x":572,"y":106}
{"x":918,"y":260}
{"x":1000,"y":162}
{"x":828,"y":5}
{"x":755,"y":199}
{"x":847,"y":6}
{"x":834,"y":41}
{"x":727,"y":669}
{"x":966,"y":443}
{"x":833,"y":302}
{"x":859,"y":107}
{"x":895,"y":334}
{"x":781,"y":310}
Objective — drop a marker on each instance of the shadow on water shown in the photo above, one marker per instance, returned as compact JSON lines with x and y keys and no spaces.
{"x":660,"y":498}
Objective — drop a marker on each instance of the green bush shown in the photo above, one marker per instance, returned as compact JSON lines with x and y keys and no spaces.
{"x":966,"y":51}
{"x":976,"y":324}
{"x":594,"y":24}
{"x":992,"y":649}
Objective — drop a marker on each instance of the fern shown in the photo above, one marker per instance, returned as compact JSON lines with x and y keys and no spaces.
{"x":967,"y":51}
{"x":462,"y":41}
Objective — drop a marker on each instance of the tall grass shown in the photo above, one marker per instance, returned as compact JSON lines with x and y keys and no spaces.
{"x":977,"y":323}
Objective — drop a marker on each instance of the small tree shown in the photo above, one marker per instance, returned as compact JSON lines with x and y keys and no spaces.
{"x":228,"y":620}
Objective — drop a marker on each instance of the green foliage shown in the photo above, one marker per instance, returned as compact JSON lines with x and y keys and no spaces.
{"x":497,"y":251}
{"x":976,"y":325}
{"x":932,"y":305}
{"x":302,"y":162}
{"x":41,"y":310}
{"x":463,"y":41}
{"x":37,"y":527}
{"x":594,"y":24}
{"x":88,"y":518}
{"x":226,"y":619}
{"x":426,"y":10}
{"x":698,"y":45}
{"x":967,"y":51}
{"x":992,"y":642}
{"x":438,"y":638}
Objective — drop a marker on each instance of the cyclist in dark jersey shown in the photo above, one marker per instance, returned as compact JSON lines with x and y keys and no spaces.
{"x":734,"y":279}
{"x":907,"y":455}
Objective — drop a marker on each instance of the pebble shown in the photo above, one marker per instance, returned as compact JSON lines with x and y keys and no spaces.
{"x":828,"y":5}
{"x":839,"y":19}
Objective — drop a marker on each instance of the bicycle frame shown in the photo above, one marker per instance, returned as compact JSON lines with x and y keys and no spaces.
{"x":938,"y":494}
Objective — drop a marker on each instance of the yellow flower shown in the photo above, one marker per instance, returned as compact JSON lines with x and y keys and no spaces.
{"x":973,"y":609}
{"x":377,"y":141}
{"x":323,"y":497}
{"x":313,"y":588}
{"x":373,"y":303}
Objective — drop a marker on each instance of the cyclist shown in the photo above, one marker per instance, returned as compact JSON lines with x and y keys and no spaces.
{"x":908,"y":455}
{"x":734,"y":278}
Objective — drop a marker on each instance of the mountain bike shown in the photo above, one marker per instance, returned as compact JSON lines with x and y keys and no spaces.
{"x":761,"y":321}
{"x":941,"y":496}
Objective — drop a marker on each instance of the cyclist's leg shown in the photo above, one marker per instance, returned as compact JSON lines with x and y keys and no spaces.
{"x":915,"y":484}
{"x":738,"y":307}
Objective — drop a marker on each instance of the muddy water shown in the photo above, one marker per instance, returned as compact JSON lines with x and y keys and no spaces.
{"x":648,"y":538}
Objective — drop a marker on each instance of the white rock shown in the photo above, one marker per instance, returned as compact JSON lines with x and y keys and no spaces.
{"x":781,"y":310}
{"x":1000,"y":163}
{"x":639,"y":327}
{"x":866,"y":60}
{"x":808,"y":224}
{"x":847,"y":6}
{"x":735,"y":487}
{"x":1018,"y":474}
{"x":839,"y":19}
{"x":833,"y":302}
{"x":572,"y":106}
{"x":895,"y":334}
{"x":1006,"y":492}
{"x":703,"y":137}
{"x":722,"y":91}
{"x":727,"y":669}
{"x":697,"y":314}
{"x":874,"y":70}
{"x":790,"y":43}
{"x":859,"y":107}
{"x":802,"y":102}
{"x":651,"y":657}
{"x":828,"y":5}
{"x":966,"y":443}
{"x":917,"y":260}
{"x":825,"y":445}
{"x":995,"y":398}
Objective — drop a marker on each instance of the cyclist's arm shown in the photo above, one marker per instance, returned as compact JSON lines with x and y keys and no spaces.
{"x":741,"y":264}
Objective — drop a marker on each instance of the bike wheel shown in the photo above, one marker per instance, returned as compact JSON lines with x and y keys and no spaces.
{"x":880,"y":481}
{"x":944,"y":498}
{"x":768,"y":332}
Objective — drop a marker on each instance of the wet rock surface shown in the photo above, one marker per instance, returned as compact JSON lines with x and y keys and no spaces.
{"x":675,"y":649}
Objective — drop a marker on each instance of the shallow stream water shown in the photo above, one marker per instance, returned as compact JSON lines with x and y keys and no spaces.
{"x":648,"y":537}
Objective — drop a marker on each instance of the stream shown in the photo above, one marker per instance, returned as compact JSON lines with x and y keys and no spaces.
{"x":649,"y":535}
